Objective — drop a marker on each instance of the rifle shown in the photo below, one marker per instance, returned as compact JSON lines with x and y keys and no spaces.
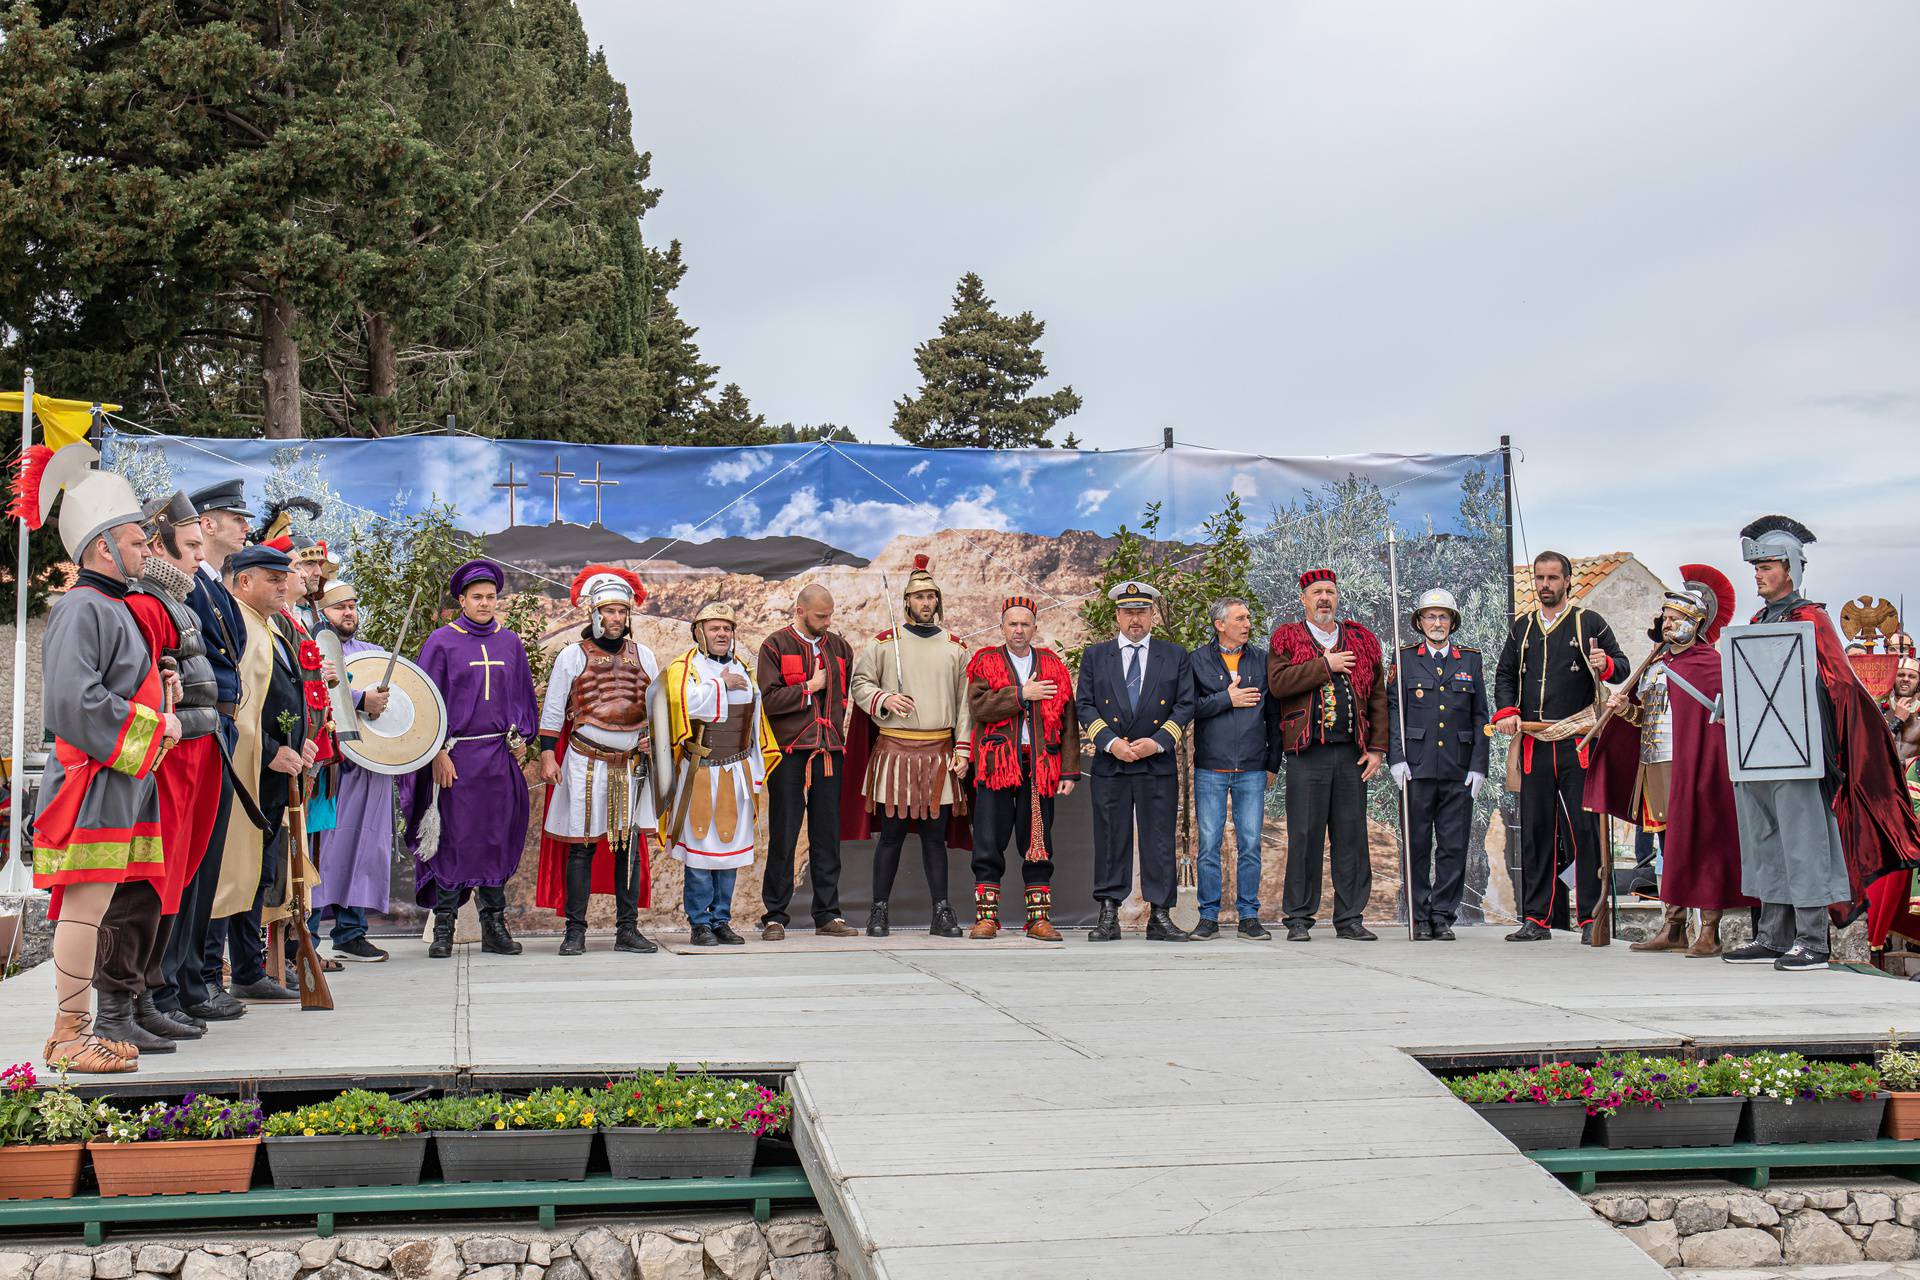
{"x":308,"y":974}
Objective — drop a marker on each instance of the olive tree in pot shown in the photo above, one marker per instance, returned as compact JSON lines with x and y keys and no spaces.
{"x":1900,"y":1076}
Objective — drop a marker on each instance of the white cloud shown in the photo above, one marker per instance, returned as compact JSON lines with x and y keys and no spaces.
{"x":866,"y":526}
{"x":1246,"y":484}
{"x":739,"y":467}
{"x":1092,"y":500}
{"x":463,"y":471}
{"x":919,"y":468}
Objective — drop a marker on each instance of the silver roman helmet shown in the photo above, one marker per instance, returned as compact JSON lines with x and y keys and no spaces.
{"x":1778,"y":538}
{"x":1437,"y":598}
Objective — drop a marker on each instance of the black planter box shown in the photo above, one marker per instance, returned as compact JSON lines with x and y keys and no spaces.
{"x":346,"y":1160}
{"x":1536,"y":1126}
{"x":641,"y":1152}
{"x":514,"y":1155}
{"x":1832,"y":1120}
{"x":1692,"y":1122}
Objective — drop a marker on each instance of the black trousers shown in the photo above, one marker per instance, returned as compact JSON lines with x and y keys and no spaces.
{"x":1439,"y":820}
{"x":492,"y":898}
{"x":933,"y":852}
{"x":133,"y":935}
{"x":1326,"y":804}
{"x":1122,"y":801}
{"x":790,"y":799}
{"x":579,"y":887}
{"x":183,"y":962}
{"x":1555,"y":833}
{"x":1002,"y":812}
{"x":243,"y":937}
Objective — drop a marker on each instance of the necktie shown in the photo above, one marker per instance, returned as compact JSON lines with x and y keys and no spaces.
{"x":1133,"y":677}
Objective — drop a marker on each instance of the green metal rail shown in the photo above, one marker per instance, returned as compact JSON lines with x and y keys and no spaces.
{"x":95,"y":1213}
{"x":1748,"y":1163}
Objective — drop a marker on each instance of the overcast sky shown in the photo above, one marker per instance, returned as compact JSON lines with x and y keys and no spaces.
{"x":1669,"y":247}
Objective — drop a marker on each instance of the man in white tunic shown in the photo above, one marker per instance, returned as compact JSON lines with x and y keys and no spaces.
{"x":712,"y":752}
{"x":594,"y":757}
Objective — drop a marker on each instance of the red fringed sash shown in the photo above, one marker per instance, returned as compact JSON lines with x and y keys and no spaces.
{"x":996,"y":746}
{"x":1296,"y":644}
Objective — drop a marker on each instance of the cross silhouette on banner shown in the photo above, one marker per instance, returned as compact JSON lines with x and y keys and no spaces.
{"x":599,"y":487}
{"x":510,"y":484}
{"x":556,"y":475}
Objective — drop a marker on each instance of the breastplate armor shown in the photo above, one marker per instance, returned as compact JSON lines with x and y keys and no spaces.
{"x":611,"y":691}
{"x":730,"y":736}
{"x":1656,"y":717}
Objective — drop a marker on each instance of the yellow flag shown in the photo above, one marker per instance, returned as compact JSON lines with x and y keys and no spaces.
{"x":62,"y":422}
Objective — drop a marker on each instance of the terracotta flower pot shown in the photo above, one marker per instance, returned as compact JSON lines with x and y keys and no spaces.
{"x":173,"y":1168}
{"x":1903,"y":1116}
{"x":47,"y":1172}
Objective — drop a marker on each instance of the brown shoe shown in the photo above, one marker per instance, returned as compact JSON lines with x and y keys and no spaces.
{"x":1706,"y":943}
{"x":836,"y":928}
{"x":984,"y":929}
{"x":1672,"y":935}
{"x":773,"y":931}
{"x":1040,"y":914}
{"x":1042,"y":930}
{"x":986,"y":911}
{"x":72,"y":1046}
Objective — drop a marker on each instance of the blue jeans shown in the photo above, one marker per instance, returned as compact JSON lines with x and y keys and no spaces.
{"x":1212,"y":789}
{"x":348,"y":923}
{"x":709,"y":896}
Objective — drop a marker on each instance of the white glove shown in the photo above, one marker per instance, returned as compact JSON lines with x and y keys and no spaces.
{"x":1401,"y":772}
{"x":1473,"y":783}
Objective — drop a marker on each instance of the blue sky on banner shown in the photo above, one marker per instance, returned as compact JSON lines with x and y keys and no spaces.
{"x":854,"y":497}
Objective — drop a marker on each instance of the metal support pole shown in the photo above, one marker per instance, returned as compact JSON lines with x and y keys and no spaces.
{"x":16,"y":880}
{"x":1400,"y":708}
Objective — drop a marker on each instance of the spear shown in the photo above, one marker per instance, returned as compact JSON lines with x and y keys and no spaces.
{"x":406,"y":621}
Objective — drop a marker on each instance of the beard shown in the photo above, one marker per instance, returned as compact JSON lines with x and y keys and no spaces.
{"x":344,"y":630}
{"x":1550,"y":599}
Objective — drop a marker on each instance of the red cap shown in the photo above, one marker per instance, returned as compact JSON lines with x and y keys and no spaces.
{"x":1312,"y":576}
{"x":1019,"y":602}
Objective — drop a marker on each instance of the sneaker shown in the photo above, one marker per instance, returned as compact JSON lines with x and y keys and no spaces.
{"x":1207,"y":929}
{"x":1798,"y":959}
{"x":1299,"y":933}
{"x":1251,"y":928}
{"x":703,"y":936}
{"x":1355,"y":933}
{"x":1752,"y":953}
{"x":358,"y":949}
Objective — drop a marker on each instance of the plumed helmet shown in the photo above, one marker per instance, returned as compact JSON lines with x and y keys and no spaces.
{"x":599,"y":584}
{"x":920,"y":578}
{"x":1777,"y":538}
{"x":95,"y":501}
{"x":278,"y":521}
{"x":1706,"y":596}
{"x":1438,"y":598}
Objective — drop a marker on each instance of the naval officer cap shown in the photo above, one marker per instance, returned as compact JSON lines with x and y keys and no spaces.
{"x":259,"y":556}
{"x":228,"y":495}
{"x":1134,"y":595}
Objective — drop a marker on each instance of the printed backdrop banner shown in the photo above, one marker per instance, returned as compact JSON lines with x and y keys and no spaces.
{"x":752,"y":525}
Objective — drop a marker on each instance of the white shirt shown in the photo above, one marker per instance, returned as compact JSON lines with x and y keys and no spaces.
{"x":1441,"y":652}
{"x":1023,"y":672}
{"x":1126,"y":644}
{"x":1327,"y":639}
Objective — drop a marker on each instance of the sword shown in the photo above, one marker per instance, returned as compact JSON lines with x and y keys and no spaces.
{"x":405,"y":622}
{"x":697,"y":750}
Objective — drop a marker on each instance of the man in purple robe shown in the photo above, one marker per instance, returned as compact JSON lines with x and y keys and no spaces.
{"x":356,"y":857}
{"x":481,"y":670}
{"x":1661,"y":762}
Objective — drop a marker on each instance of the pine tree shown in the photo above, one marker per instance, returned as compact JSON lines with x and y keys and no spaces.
{"x":975,"y":380}
{"x":728,"y":420}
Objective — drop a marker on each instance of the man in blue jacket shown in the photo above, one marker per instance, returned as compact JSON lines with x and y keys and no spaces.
{"x":1135,"y":700}
{"x":1229,"y":763}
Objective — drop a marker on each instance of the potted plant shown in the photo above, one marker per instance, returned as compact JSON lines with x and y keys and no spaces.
{"x":200,"y":1143}
{"x":358,"y":1139}
{"x":546,"y":1136}
{"x":43,"y":1133}
{"x":666,"y":1125}
{"x":1792,"y":1100}
{"x":1535,"y":1108}
{"x":1900,"y":1076}
{"x":1662,"y":1102}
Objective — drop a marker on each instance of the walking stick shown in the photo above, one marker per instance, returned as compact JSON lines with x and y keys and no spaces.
{"x":1400,"y":704}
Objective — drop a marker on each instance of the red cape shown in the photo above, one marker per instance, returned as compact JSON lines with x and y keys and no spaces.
{"x":550,"y":882}
{"x":855,"y":822}
{"x":1700,"y":848}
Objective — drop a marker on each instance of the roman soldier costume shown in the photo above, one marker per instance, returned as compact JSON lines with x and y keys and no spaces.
{"x":1661,"y":763}
{"x":1022,"y":750}
{"x":595,"y":722}
{"x":1902,"y":711}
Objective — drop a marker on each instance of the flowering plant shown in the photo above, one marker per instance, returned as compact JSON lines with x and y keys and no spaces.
{"x":1848,"y":1081}
{"x":1783,"y":1077}
{"x":1632,"y":1080}
{"x":669,"y":1100}
{"x":33,"y":1112}
{"x":197,"y":1117}
{"x":1553,"y":1082}
{"x":551,"y":1108}
{"x":1899,"y":1068}
{"x":357,"y":1112}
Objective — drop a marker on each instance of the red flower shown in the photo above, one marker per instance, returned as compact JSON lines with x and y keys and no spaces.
{"x":316,"y":696}
{"x":309,"y":655}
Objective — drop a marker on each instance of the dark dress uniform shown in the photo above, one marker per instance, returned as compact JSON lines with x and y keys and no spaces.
{"x":1129,"y":791}
{"x":1544,"y":676}
{"x":1445,"y":702}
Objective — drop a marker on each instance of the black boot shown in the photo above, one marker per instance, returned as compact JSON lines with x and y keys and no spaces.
{"x":1108,"y":929}
{"x":877,"y":926}
{"x":944,"y":925}
{"x":152,"y":1018}
{"x":579,"y":888}
{"x":116,"y":1023}
{"x":442,"y":945}
{"x":494,"y":938}
{"x":626,"y":905}
{"x":1161,"y":928}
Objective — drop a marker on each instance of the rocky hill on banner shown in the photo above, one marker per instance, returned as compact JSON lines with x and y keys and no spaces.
{"x":751,"y":526}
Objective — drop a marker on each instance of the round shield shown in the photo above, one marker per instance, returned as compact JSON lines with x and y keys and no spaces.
{"x":413,"y":728}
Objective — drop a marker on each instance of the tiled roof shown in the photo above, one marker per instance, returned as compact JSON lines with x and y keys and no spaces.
{"x":1588,"y":573}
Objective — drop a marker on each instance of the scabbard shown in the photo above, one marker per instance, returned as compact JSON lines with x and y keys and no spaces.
{"x":240,"y":792}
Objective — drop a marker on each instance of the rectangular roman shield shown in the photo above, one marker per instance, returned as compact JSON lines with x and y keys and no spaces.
{"x":1771,"y":674}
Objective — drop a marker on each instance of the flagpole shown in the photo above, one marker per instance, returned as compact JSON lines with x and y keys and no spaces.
{"x":15,"y":879}
{"x":1400,"y":708}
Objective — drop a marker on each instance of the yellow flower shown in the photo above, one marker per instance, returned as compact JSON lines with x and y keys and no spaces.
{"x":499,"y":1124}
{"x":309,"y":1133}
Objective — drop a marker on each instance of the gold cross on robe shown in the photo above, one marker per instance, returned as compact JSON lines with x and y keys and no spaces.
{"x":486,"y":666}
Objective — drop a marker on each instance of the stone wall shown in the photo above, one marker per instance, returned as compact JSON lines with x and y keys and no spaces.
{"x":1797,"y":1224}
{"x":721,"y":1247}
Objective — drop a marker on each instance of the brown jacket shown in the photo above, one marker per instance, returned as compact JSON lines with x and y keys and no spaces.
{"x":1292,"y":685}
{"x":994,"y":712}
{"x":803,"y":721}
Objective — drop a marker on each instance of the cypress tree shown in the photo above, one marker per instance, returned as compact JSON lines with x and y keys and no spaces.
{"x":975,"y":380}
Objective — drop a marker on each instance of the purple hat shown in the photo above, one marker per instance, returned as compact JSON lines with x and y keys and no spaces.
{"x":478,"y":571}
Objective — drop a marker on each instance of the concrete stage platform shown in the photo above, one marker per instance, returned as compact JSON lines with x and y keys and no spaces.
{"x":1121,"y":1110}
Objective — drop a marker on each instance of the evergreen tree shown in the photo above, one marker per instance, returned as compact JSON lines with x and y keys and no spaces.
{"x":975,"y":380}
{"x":729,"y":420}
{"x":788,"y":433}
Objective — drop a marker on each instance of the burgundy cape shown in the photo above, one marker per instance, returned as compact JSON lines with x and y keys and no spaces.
{"x":550,"y":878}
{"x":1700,"y":848}
{"x":1878,"y":831}
{"x":855,"y":822}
